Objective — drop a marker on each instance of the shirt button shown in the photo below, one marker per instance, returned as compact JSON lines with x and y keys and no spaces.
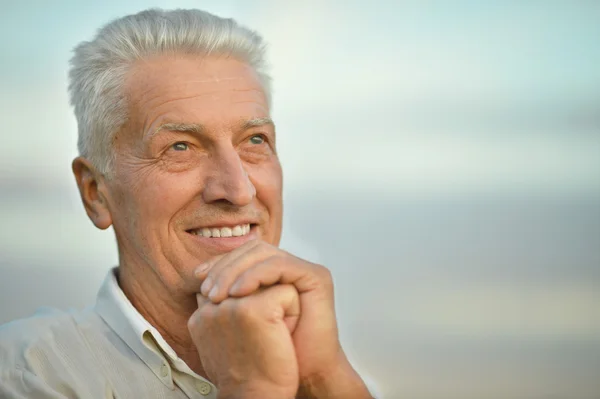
{"x":164,"y":370}
{"x":203,"y":387}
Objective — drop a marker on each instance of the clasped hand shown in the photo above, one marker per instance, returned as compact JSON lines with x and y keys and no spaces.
{"x":266,"y":328}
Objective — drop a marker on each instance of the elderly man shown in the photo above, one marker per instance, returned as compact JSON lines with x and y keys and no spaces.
{"x":178,"y":154}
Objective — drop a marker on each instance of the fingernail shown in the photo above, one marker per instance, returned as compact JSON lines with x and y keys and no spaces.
{"x":234,"y":288}
{"x":201,"y":269}
{"x":213,"y":292}
{"x":205,"y":287}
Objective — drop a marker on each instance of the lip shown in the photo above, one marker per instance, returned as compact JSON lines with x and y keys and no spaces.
{"x":230,"y":224}
{"x":221,"y":225}
{"x":225,"y":244}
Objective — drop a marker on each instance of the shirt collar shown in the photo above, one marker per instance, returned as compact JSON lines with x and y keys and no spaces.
{"x":145,"y":340}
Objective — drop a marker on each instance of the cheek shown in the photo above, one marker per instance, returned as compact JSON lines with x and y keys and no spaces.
{"x":269,"y":185}
{"x":157,"y":200}
{"x":268,"y":182}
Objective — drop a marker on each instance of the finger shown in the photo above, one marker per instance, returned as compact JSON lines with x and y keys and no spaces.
{"x":205,"y":267}
{"x":303,"y":275}
{"x":201,"y":300}
{"x":286,"y":296}
{"x":202,"y":315}
{"x":202,"y":271}
{"x":225,"y":272}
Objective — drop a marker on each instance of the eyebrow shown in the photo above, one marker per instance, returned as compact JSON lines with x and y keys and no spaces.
{"x":198,"y":128}
{"x":257,"y":122}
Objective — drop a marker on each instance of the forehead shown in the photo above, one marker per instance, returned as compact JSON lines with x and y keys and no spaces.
{"x":193,"y":90}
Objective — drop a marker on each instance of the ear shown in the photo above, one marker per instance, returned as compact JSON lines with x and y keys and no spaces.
{"x":92,"y":190}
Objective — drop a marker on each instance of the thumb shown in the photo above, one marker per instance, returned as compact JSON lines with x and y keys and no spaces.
{"x":202,"y":300}
{"x":288,"y":303}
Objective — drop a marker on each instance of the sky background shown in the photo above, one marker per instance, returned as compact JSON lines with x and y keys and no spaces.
{"x":441,"y":158}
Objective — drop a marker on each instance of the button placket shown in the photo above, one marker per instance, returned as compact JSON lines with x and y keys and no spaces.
{"x":203,"y":387}
{"x":164,"y":370}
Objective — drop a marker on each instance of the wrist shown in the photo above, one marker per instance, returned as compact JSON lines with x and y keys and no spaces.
{"x":343,"y":382}
{"x":263,"y":392}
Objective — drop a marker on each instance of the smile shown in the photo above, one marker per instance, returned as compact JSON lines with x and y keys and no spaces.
{"x":218,"y":232}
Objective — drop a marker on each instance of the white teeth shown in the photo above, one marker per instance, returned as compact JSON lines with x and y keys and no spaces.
{"x":225,"y":232}
{"x":237,"y":231}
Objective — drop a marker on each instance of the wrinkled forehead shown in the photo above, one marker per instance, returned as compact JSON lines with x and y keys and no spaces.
{"x":193,"y":89}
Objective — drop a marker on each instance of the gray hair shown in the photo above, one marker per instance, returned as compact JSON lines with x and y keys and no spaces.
{"x":99,"y":67}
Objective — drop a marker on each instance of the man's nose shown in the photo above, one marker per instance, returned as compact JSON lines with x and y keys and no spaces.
{"x":228,"y":180}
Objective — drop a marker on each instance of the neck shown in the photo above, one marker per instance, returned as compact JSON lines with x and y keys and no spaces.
{"x":166,"y":312}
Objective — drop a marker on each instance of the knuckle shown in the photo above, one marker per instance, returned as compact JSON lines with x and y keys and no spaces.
{"x":282,"y":261}
{"x":325,"y":276}
{"x":272,"y":261}
{"x":241,"y":280}
{"x":194,"y":323}
{"x":323,"y":272}
{"x":228,"y":304}
{"x":223,"y":276}
{"x":252,"y":245}
{"x":214,"y":271}
{"x":281,"y":258}
{"x":207,"y":311}
{"x":286,"y":289}
{"x":244,"y":306}
{"x":245,"y":309}
{"x":263,"y":246}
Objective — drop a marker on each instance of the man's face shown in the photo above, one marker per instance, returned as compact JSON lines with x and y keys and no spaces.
{"x":195,"y":162}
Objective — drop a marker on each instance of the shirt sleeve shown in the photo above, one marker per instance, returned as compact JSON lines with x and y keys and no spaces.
{"x":23,"y":384}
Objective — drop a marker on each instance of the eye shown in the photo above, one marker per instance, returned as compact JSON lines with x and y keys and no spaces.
{"x":180,"y":146}
{"x":257,"y":139}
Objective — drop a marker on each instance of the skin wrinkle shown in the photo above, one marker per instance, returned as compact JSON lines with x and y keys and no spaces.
{"x":200,"y":129}
{"x":152,"y":205}
{"x":201,"y":61}
{"x":146,"y":307}
{"x":145,"y":165}
{"x":242,"y":102}
{"x":165,"y":103}
{"x":207,"y":94}
{"x":238,"y":131}
{"x":149,"y":91}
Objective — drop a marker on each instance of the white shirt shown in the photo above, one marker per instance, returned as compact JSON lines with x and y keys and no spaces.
{"x":105,"y":351}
